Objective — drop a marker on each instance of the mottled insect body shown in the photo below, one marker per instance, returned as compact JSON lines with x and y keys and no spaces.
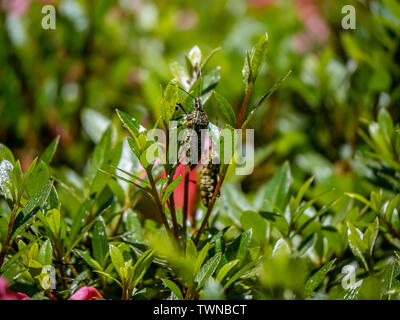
{"x":196,"y":121}
{"x":209,"y":178}
{"x":198,"y":118}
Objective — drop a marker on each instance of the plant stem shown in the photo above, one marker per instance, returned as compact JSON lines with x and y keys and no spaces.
{"x":243,"y":108}
{"x":211,"y":205}
{"x":171,"y":200}
{"x":127,"y":205}
{"x":171,"y":206}
{"x":185,"y":203}
{"x":188,"y":294}
{"x":391,"y":228}
{"x":159,"y":206}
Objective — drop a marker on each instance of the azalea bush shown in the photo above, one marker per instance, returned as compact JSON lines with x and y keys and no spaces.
{"x":92,"y":208}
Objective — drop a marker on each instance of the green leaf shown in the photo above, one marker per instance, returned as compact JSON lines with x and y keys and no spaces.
{"x":226,"y":108}
{"x":79,"y":218}
{"x":53,"y":220}
{"x":357,"y":245}
{"x":144,"y":188}
{"x":45,"y":255}
{"x":243,"y":249}
{"x":135,"y":147}
{"x":179,"y":73}
{"x":238,"y":274}
{"x":53,"y":201}
{"x":88,"y":259}
{"x":74,"y":241}
{"x":99,"y":241}
{"x":191,"y":251}
{"x":254,"y":61}
{"x":313,"y":282}
{"x":133,"y":225}
{"x":30,"y":210}
{"x":393,"y":6}
{"x":107,"y":275}
{"x":207,"y":270}
{"x":194,"y":56}
{"x":301,"y":193}
{"x":135,"y":178}
{"x":130,"y":123}
{"x":200,"y":258}
{"x":6,"y":154}
{"x":386,"y":124}
{"x":100,"y":153}
{"x":33,"y":252}
{"x":246,"y":71}
{"x":210,"y":82}
{"x":50,"y":151}
{"x":27,"y":179}
{"x":277,"y":189}
{"x":391,"y":207}
{"x":22,"y":250}
{"x":258,"y":56}
{"x":170,"y":188}
{"x":225,"y":269}
{"x":275,"y":87}
{"x":276,"y":220}
{"x":228,"y":139}
{"x":142,"y":265}
{"x":253,"y":220}
{"x":370,"y":235}
{"x":358,"y":197}
{"x":117,"y":259}
{"x":17,"y":180}
{"x":173,"y":287}
{"x":168,"y":102}
{"x":210,"y":55}
{"x":110,"y":159}
{"x":390,"y":278}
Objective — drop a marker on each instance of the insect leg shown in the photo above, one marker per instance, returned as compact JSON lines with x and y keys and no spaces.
{"x":178,"y":104}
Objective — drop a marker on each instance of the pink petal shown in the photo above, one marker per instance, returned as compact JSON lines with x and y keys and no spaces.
{"x":85,"y":293}
{"x":7,"y":294}
{"x":22,"y":296}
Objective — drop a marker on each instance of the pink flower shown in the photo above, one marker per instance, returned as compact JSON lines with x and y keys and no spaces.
{"x":316,"y":28}
{"x":7,"y":294}
{"x":16,"y":7}
{"x":85,"y":293}
{"x":179,"y":191}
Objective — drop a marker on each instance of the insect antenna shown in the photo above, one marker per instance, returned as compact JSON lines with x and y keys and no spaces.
{"x":199,"y":84}
{"x":184,"y":91}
